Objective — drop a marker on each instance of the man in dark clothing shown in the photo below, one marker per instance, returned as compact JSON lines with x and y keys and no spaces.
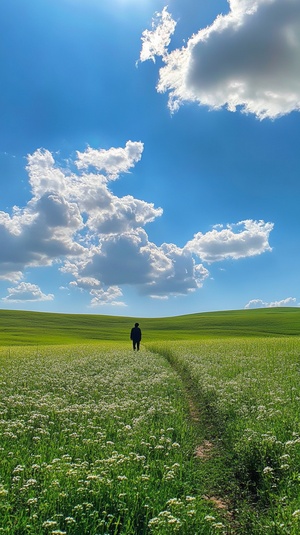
{"x":136,"y":336}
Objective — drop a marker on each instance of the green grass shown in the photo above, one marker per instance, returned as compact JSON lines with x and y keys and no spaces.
{"x":23,"y":328}
{"x":248,"y":392}
{"x":97,"y":439}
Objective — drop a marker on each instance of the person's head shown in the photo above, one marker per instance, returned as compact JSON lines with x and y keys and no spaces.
{"x":136,"y":324}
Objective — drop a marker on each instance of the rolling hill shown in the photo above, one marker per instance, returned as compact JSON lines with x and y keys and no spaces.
{"x":31,"y":328}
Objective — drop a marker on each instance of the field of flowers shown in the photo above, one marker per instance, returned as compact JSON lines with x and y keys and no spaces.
{"x":248,"y":391}
{"x":97,"y":440}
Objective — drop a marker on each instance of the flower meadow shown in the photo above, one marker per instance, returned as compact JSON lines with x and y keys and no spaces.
{"x":195,"y":438}
{"x":97,"y":440}
{"x":248,"y":392}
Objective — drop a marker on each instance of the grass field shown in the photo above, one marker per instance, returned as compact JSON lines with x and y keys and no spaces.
{"x":94,"y":440}
{"x":197,"y":434}
{"x":248,"y":393}
{"x":23,"y":328}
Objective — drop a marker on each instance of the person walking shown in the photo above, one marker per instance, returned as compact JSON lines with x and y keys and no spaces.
{"x":136,"y":336}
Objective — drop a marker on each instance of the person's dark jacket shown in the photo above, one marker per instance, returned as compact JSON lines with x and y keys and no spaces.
{"x":136,"y":334}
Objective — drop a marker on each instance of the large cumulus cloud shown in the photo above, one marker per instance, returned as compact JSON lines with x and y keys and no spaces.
{"x":248,"y":58}
{"x":98,"y":240}
{"x":247,"y":238}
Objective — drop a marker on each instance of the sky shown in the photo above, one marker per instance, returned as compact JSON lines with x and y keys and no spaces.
{"x":149,"y":156}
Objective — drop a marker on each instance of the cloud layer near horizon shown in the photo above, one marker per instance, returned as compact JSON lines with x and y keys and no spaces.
{"x":98,"y":240}
{"x":247,"y":59}
{"x":259,"y":303}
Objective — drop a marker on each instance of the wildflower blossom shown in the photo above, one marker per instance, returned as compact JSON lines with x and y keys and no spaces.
{"x":49,"y":524}
{"x":268,"y":470}
{"x":209,"y":518}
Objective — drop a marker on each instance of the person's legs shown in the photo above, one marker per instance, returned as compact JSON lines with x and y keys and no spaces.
{"x":133,"y":344}
{"x":138,"y":346}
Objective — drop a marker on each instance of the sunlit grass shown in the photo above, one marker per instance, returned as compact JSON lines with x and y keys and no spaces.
{"x":96,"y":440}
{"x":248,"y":392}
{"x":32,"y":328}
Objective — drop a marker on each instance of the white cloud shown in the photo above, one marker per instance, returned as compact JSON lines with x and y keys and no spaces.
{"x":113,"y":161}
{"x":184,"y":276}
{"x":44,"y":176}
{"x":122,"y":215}
{"x":98,"y":240}
{"x":156,"y":41}
{"x":83,"y":283}
{"x":127,"y":258}
{"x":38,"y":234}
{"x":26,"y":292}
{"x":107,"y":297}
{"x":248,"y":58}
{"x":51,"y":226}
{"x":258,"y":303}
{"x":240,"y":240}
{"x":130,"y":259}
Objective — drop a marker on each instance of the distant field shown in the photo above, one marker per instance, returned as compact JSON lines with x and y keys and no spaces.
{"x":26,"y":328}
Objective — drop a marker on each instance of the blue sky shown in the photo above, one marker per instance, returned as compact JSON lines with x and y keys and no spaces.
{"x":149,"y":155}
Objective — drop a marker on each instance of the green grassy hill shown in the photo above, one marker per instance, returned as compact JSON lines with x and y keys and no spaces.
{"x":31,"y":328}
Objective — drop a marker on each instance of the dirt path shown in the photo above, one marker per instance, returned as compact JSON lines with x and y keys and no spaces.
{"x":206,"y":449}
